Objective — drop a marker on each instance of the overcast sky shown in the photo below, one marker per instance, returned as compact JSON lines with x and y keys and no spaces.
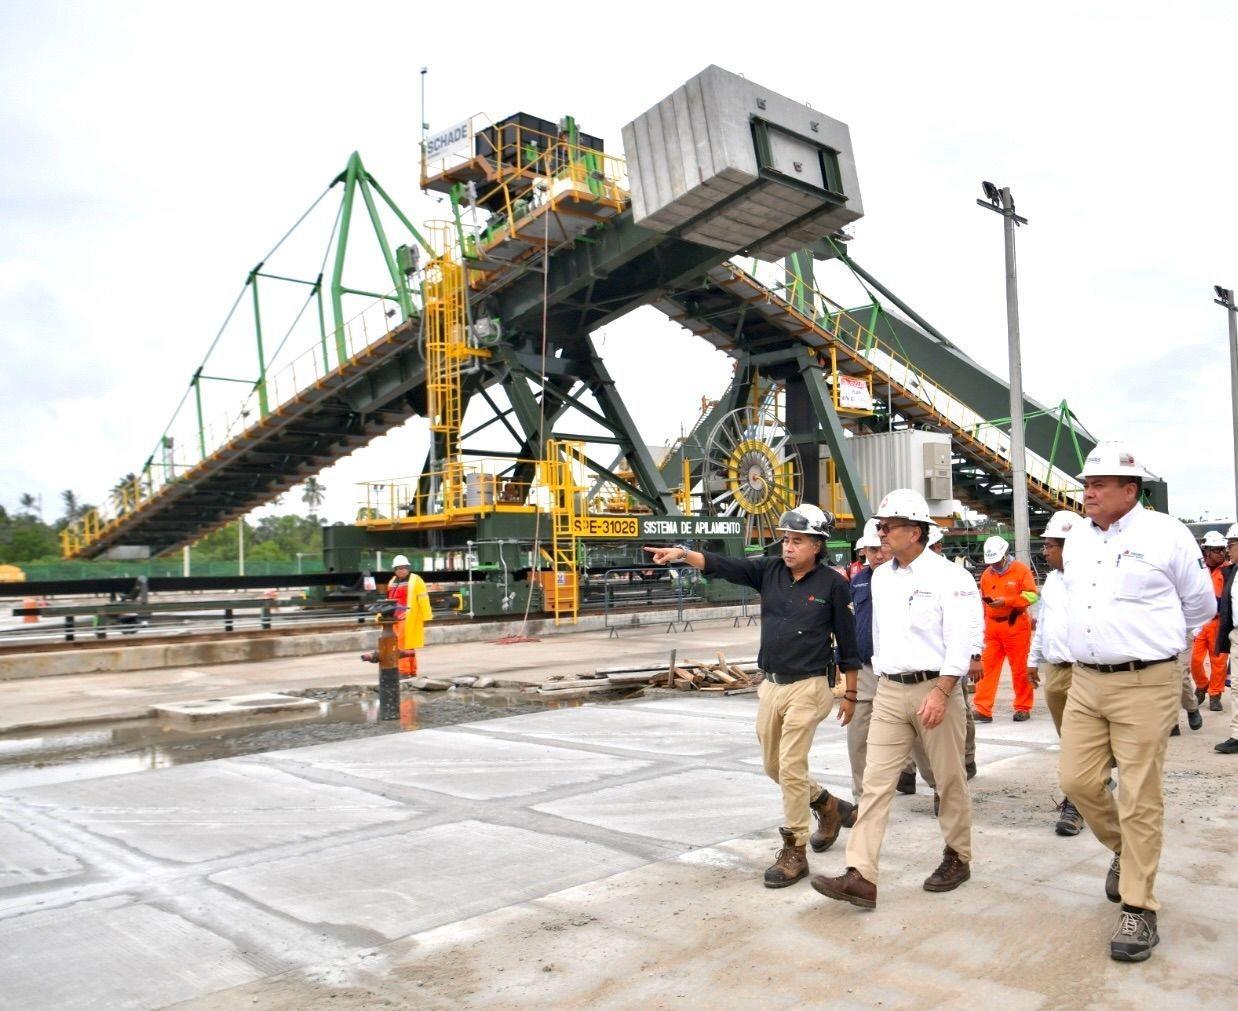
{"x":153,"y":153}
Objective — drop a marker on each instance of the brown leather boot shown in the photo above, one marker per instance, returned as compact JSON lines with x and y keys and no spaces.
{"x":832,"y":814}
{"x":950,"y":873}
{"x":789,"y":865}
{"x":852,"y":887}
{"x":1214,"y":703}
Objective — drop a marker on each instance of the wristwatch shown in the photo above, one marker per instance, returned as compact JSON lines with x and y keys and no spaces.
{"x":685,"y":549}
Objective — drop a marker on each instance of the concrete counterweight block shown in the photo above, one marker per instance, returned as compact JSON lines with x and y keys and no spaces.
{"x":726,"y":163}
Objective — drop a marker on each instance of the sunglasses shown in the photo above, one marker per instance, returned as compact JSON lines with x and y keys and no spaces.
{"x":885,"y":528}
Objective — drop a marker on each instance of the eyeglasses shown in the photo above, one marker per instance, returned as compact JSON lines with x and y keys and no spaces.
{"x":885,"y":528}
{"x":792,"y":520}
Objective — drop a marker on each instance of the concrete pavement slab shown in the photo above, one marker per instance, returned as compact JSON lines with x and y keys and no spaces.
{"x":694,"y":808}
{"x":26,"y":859}
{"x":210,"y":810}
{"x":415,"y":880}
{"x":470,"y":766}
{"x":114,"y":953}
{"x":646,"y":730}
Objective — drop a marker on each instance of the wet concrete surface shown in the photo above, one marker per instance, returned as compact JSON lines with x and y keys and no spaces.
{"x":345,"y":713}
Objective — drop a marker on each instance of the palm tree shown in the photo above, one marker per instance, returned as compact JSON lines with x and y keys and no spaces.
{"x":72,"y":508}
{"x":29,"y":503}
{"x":313,"y":496}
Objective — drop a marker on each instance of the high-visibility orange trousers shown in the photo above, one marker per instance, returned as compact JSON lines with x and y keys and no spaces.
{"x":1004,"y":642}
{"x":1218,"y":662}
{"x":408,"y":664}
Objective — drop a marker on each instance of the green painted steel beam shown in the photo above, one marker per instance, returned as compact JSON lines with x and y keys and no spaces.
{"x":836,"y":439}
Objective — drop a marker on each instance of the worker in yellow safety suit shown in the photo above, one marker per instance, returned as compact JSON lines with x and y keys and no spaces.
{"x":408,"y":590}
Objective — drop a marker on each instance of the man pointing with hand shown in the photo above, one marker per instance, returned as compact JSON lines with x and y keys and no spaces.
{"x":805,"y":613}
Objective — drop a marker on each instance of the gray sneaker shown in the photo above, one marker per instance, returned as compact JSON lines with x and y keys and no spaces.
{"x":1112,"y":879}
{"x":1135,"y":937}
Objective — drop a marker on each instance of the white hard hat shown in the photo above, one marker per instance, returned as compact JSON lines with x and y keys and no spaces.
{"x":1111,"y":459}
{"x":935,"y":534}
{"x":904,"y":504}
{"x":869,"y":538}
{"x":1213,"y":539}
{"x":399,"y":560}
{"x":1232,"y":533}
{"x":995,"y":549}
{"x":805,"y":519}
{"x":1059,"y":524}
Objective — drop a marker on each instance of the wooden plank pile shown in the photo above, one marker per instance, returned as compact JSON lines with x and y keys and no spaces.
{"x":721,"y":676}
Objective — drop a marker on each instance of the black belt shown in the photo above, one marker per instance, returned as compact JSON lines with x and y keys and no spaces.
{"x":787,"y":679}
{"x":913,"y":677}
{"x":1114,"y":668}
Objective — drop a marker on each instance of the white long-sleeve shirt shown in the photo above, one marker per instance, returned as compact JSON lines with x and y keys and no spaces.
{"x":925,"y":617}
{"x":1050,"y":641}
{"x":1134,"y":589}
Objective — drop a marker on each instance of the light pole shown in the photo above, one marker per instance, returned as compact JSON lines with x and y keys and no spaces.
{"x":1000,"y":201}
{"x":1225,"y":297}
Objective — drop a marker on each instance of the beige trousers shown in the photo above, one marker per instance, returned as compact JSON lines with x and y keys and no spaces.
{"x":857,"y":737}
{"x":787,"y":718}
{"x":1055,"y":682}
{"x":1127,"y":715}
{"x":894,"y":730}
{"x":1189,"y":702}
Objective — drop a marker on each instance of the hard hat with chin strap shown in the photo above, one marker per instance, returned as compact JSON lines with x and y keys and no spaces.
{"x":995,"y":549}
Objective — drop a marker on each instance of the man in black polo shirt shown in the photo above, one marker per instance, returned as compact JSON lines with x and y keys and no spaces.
{"x":805,"y":613}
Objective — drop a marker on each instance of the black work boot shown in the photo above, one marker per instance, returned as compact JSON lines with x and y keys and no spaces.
{"x":971,"y":769}
{"x":1136,"y":935}
{"x":790,"y":864}
{"x":1113,"y":878}
{"x":1194,"y":720}
{"x":1200,"y":695}
{"x":1227,"y":747}
{"x":906,"y":783}
{"x":950,"y":873}
{"x":832,"y":815}
{"x":1214,"y":704}
{"x":1069,"y":820}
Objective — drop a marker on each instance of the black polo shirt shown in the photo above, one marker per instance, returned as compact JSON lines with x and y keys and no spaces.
{"x":798,"y":618}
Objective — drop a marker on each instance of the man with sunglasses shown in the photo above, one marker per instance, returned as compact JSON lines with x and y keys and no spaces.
{"x":805,"y":619}
{"x":925,"y":613}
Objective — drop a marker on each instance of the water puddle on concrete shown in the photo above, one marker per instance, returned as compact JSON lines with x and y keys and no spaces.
{"x":37,"y":757}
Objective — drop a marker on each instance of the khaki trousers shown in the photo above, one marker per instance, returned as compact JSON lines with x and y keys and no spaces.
{"x":1055,"y":681}
{"x":1189,"y":702}
{"x":787,"y":718}
{"x":857,"y":737}
{"x":1127,"y":715}
{"x":894,"y":730}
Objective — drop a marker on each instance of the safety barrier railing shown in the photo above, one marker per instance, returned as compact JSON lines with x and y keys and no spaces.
{"x":852,"y":334}
{"x":479,"y":486}
{"x":189,"y":440}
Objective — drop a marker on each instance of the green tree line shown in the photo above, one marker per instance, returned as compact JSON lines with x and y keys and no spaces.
{"x":26,"y":537}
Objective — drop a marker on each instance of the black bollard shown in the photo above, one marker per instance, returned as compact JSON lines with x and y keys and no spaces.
{"x":388,"y":670}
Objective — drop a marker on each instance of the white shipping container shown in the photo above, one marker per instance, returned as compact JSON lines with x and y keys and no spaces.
{"x":908,"y":459}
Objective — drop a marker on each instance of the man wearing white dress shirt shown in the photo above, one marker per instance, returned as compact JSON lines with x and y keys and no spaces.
{"x":925,"y":612}
{"x":1049,"y":664}
{"x":1136,"y":583}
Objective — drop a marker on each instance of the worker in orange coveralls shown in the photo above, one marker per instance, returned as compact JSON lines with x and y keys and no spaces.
{"x":1216,"y":558}
{"x":1008,"y":589}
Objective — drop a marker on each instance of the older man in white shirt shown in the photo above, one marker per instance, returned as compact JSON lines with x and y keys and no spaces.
{"x":1136,"y":583}
{"x":925,"y":612}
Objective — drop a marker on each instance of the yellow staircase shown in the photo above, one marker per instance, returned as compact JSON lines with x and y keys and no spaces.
{"x":563,"y":472}
{"x":446,"y":347}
